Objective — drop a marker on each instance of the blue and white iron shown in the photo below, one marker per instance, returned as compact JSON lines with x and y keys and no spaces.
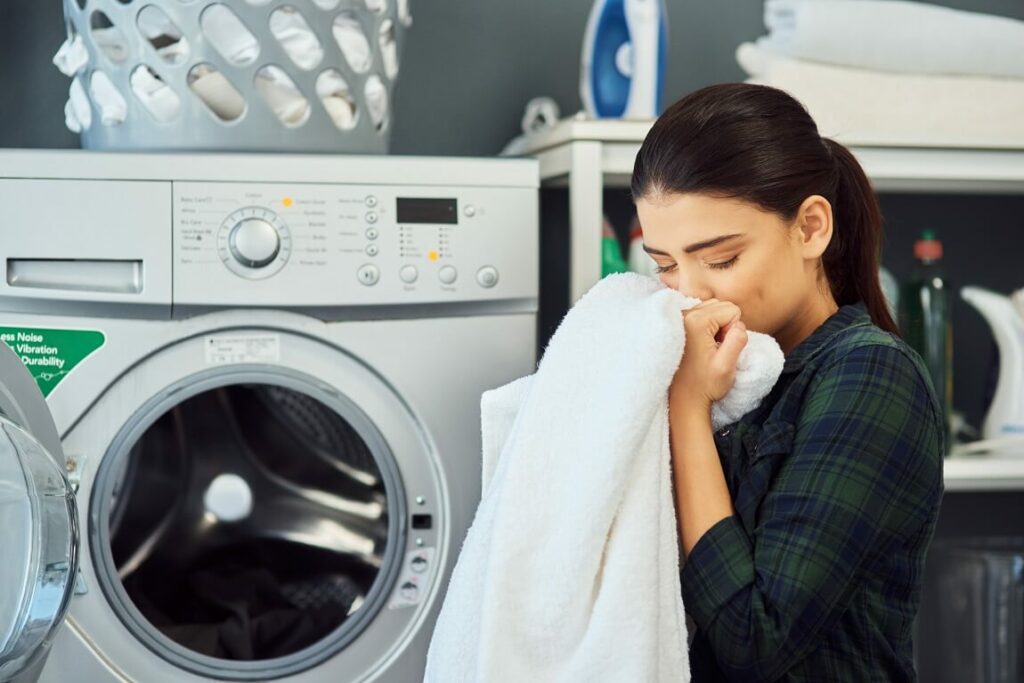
{"x":623,"y":63}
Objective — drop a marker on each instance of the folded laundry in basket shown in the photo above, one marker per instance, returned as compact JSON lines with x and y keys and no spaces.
{"x":110,"y":102}
{"x":72,"y":56}
{"x":280,"y":93}
{"x":296,"y":37}
{"x":569,"y":571}
{"x":155,"y":94}
{"x":894,"y":35}
{"x":77,"y":113}
{"x":868,"y":107}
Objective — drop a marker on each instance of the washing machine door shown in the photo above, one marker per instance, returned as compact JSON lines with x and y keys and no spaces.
{"x":38,"y":523}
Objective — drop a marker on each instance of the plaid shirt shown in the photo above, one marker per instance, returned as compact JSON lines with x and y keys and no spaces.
{"x":836,"y":480}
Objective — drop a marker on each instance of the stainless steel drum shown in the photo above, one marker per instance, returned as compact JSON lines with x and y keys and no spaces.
{"x":247,"y":522}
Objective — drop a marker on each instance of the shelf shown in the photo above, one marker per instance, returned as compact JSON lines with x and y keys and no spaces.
{"x":589,"y":155}
{"x":891,"y":169}
{"x":985,"y":473}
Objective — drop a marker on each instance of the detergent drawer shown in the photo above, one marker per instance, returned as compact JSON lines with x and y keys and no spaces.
{"x":85,"y":247}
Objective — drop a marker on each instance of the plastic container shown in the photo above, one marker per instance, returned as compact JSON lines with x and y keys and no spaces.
{"x":925,"y":322}
{"x":970,"y":627}
{"x":258,"y":75}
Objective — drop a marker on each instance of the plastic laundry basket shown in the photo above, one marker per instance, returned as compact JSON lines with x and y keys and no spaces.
{"x":253,"y":75}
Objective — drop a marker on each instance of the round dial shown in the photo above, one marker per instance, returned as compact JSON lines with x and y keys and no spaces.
{"x":254,"y":242}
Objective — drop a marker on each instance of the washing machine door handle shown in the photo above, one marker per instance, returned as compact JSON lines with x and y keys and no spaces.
{"x":39,"y":557}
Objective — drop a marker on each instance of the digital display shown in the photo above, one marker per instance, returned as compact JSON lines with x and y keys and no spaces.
{"x":424,"y":210}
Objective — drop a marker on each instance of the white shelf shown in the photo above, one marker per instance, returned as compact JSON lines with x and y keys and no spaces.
{"x":588,"y":155}
{"x":985,"y":473}
{"x":891,"y":169}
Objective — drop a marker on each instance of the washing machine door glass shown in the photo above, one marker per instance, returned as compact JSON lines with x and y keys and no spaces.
{"x":39,"y":547}
{"x":248,"y":522}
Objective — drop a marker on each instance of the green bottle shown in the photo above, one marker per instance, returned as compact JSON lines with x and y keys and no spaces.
{"x":611,"y":253}
{"x":924,"y":319}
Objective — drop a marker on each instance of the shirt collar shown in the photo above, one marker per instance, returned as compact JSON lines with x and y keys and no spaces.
{"x":848,"y":315}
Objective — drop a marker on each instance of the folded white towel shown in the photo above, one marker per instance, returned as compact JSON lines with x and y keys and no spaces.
{"x":892,"y":35}
{"x":865,"y":107}
{"x":569,"y":571}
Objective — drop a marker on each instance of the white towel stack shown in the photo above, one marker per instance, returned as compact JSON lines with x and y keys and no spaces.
{"x":569,"y":571}
{"x":890,"y":72}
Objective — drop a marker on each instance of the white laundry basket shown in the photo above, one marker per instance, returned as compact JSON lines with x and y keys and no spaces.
{"x":241,"y":75}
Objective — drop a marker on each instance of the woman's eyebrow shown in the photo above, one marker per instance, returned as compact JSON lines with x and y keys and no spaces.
{"x":696,"y":246}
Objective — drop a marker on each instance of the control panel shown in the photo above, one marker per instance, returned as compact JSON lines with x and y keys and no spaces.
{"x":343,"y":245}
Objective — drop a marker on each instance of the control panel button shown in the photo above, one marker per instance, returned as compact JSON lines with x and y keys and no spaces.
{"x":469,"y":210}
{"x":418,"y":564}
{"x":447,"y":274}
{"x":371,"y":217}
{"x":408,"y":274}
{"x":368,"y":274}
{"x":487,"y":276}
{"x":371,"y":249}
{"x":371,"y":233}
{"x":371,"y":201}
{"x":254,"y":242}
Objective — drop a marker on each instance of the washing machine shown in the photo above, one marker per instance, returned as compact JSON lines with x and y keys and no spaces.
{"x":240,"y":405}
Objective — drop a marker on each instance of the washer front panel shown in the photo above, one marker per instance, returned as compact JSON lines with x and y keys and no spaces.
{"x":349,"y":387}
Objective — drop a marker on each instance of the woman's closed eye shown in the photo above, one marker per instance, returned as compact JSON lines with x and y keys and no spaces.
{"x":721,"y":264}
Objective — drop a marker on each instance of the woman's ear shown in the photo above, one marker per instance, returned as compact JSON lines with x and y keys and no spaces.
{"x":814,"y":218}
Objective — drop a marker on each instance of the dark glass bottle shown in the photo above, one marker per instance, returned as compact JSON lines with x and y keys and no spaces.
{"x":925,"y":321}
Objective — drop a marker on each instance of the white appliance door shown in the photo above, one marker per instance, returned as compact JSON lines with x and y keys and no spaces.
{"x":38,"y":524}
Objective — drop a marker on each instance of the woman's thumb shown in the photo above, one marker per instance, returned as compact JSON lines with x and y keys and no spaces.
{"x":735,"y":340}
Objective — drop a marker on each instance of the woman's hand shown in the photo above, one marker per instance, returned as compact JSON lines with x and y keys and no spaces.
{"x":715,"y":335}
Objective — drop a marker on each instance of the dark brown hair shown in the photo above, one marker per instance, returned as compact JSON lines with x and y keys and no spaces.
{"x":757,"y":143}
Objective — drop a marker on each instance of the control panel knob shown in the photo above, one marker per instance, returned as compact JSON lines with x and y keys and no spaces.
{"x":254,"y":242}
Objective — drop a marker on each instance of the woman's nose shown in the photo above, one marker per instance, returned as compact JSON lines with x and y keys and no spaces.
{"x":692,"y":288}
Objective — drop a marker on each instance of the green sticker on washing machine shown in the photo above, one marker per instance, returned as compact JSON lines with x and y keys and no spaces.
{"x":49,"y":354}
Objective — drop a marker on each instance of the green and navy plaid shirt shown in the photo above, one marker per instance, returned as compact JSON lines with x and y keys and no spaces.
{"x":836,"y":480}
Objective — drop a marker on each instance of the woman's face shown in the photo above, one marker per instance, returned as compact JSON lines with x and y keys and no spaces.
{"x":712,"y":247}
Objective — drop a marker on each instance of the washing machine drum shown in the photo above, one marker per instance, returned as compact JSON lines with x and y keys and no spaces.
{"x":38,"y":560}
{"x":247,"y":523}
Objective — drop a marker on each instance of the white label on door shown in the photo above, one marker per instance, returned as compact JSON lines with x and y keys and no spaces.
{"x":415,"y":578}
{"x":242,"y":348}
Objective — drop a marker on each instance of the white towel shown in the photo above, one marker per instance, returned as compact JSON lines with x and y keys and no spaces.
{"x":569,"y":571}
{"x":865,"y":107}
{"x":892,"y":35}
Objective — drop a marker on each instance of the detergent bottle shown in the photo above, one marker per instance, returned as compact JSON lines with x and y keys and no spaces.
{"x":611,"y":253}
{"x":925,"y":321}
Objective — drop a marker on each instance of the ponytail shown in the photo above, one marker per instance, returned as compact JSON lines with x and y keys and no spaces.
{"x":852,"y":258}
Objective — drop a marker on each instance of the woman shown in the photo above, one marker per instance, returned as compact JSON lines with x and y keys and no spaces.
{"x":803,"y":526}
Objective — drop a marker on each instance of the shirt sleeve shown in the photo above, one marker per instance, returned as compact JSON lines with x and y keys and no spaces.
{"x":864,"y":474}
